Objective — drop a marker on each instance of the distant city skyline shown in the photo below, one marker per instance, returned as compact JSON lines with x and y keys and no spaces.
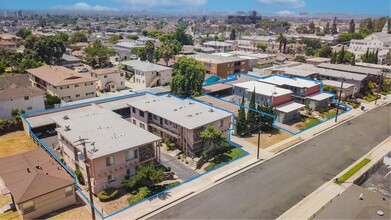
{"x":267,"y":7}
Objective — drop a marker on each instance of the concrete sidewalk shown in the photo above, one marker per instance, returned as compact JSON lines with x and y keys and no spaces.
{"x":316,"y":201}
{"x":210,"y":179}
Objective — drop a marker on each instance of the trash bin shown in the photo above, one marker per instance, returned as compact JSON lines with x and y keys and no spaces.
{"x":362,"y":108}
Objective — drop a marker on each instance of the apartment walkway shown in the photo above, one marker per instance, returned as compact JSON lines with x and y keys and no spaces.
{"x":182,"y":171}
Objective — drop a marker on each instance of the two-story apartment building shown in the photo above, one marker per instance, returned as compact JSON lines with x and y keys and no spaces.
{"x":109,"y":79}
{"x":37,"y":183}
{"x":218,"y":46}
{"x":114,"y":146}
{"x":377,"y":41}
{"x":63,"y":82}
{"x":222,"y":66}
{"x":148,"y":74}
{"x":271,"y":95}
{"x":16,"y":92}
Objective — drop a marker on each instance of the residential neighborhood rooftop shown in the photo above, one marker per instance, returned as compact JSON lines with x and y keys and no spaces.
{"x":263,"y":88}
{"x":59,"y":76}
{"x":320,"y":96}
{"x":105,"y":71}
{"x":186,"y":113}
{"x":144,"y":66}
{"x":217,"y":43}
{"x":17,"y":86}
{"x":349,"y":68}
{"x":289,"y":107}
{"x":215,"y":58}
{"x":294,"y":82}
{"x":107,"y":130}
{"x":337,"y":84}
{"x":31,"y":174}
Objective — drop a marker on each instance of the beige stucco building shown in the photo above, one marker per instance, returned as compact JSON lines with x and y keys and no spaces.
{"x":109,"y":79}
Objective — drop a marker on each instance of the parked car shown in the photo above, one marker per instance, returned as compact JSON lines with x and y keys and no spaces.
{"x":83,"y":70}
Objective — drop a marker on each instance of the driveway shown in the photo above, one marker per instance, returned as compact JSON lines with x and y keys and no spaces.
{"x":182,"y":171}
{"x":271,"y":188}
{"x":52,"y":143}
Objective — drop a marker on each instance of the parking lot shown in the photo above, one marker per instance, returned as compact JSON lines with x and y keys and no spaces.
{"x":380,"y":181}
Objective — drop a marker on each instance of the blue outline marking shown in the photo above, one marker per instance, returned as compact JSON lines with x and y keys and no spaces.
{"x":128,"y":96}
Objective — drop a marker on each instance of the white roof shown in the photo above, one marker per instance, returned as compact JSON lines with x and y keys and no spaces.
{"x":320,"y":96}
{"x":294,"y":82}
{"x":289,"y":107}
{"x":144,"y":65}
{"x":106,"y":129}
{"x":217,"y":44}
{"x":263,"y":88}
{"x":186,"y":113}
{"x":337,"y":84}
{"x":224,"y":54}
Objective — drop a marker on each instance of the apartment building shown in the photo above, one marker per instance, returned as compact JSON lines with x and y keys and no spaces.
{"x":348,"y":89}
{"x":261,"y":60}
{"x":114,"y":146}
{"x":109,"y":79}
{"x":37,"y":184}
{"x":63,"y":82}
{"x":16,"y":92}
{"x":147,"y":74}
{"x":377,"y":41}
{"x":218,"y":46}
{"x":271,"y":95}
{"x":222,"y":66}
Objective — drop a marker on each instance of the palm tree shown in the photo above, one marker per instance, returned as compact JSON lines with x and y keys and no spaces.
{"x":166,"y":53}
{"x":149,"y":48}
{"x":282,"y":40}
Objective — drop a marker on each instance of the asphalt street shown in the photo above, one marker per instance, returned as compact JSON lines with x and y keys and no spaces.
{"x":271,"y":188}
{"x":181,"y":170}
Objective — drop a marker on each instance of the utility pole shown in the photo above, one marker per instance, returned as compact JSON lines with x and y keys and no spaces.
{"x":83,"y":143}
{"x":378,"y":87}
{"x":339,"y":99}
{"x":259,"y":140}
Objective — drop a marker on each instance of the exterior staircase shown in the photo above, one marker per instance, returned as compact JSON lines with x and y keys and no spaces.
{"x":154,"y":81}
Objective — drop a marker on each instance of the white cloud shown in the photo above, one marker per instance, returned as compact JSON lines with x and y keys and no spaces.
{"x":162,"y":3}
{"x":82,"y":6}
{"x":293,"y":3}
{"x":285,"y":13}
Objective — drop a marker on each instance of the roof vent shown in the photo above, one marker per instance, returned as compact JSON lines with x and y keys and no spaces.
{"x":380,"y":213}
{"x":65,"y":117}
{"x":67,"y":127}
{"x":361,"y":197}
{"x":211,"y":110}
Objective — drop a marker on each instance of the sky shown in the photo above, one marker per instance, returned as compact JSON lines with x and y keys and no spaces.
{"x":268,"y":7}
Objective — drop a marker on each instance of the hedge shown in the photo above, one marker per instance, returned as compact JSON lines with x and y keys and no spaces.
{"x":108,"y":194}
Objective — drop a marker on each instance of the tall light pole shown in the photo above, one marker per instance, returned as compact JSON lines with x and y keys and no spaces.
{"x":339,"y":99}
{"x":259,"y":140}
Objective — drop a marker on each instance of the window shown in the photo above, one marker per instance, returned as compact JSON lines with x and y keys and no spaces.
{"x":90,"y":93}
{"x":122,"y":83}
{"x":221,"y":124}
{"x":141,"y":113}
{"x":165,"y":122}
{"x":142,"y":126}
{"x":134,"y":110}
{"x":122,"y":74}
{"x":131,"y":171}
{"x":68,"y":191}
{"x":111,"y":178}
{"x":76,"y":85}
{"x":28,"y":206}
{"x":130,"y":154}
{"x":77,"y":95}
{"x":26,"y":98}
{"x":109,"y":161}
{"x":29,"y":108}
{"x":134,"y":121}
{"x":174,"y":125}
{"x":105,"y":76}
{"x":155,"y":117}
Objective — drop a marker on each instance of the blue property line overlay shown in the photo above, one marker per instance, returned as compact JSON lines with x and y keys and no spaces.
{"x":246,"y":153}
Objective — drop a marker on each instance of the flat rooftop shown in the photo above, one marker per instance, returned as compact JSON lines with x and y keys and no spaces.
{"x":320,"y":96}
{"x":186,"y":113}
{"x":294,"y":82}
{"x":337,"y":84}
{"x":217,"y":44}
{"x":215,"y":58}
{"x":263,"y":88}
{"x":106,"y":129}
{"x":349,"y":68}
{"x":289,"y":107}
{"x":144,"y":65}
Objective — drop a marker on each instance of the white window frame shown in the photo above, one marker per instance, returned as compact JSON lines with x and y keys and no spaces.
{"x":110,"y":160}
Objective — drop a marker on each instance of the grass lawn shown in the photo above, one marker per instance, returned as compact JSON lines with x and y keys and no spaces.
{"x":153,"y":190}
{"x":352,"y":171}
{"x":15,"y":142}
{"x":309,"y":122}
{"x":370,"y":98}
{"x":224,"y":156}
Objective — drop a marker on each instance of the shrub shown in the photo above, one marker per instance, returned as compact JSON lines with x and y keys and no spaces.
{"x":79,"y":176}
{"x":108,"y":194}
{"x":14,"y":124}
{"x":61,"y":158}
{"x":170,"y":145}
{"x":141,"y":194}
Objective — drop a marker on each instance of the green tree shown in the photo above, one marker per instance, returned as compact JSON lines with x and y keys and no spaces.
{"x":62,"y":36}
{"x":14,"y":112}
{"x":251,"y":115}
{"x":133,"y":37}
{"x":77,"y":37}
{"x":312,"y":27}
{"x":353,"y":61}
{"x":300,"y":58}
{"x":28,"y":64}
{"x":232,"y":36}
{"x":266,"y":119}
{"x":97,"y":53}
{"x":282,"y":41}
{"x":333,"y":58}
{"x":376,"y":56}
{"x":352,"y":26}
{"x":309,"y":51}
{"x":2,"y":66}
{"x":188,"y":77}
{"x":149,"y":173}
{"x":325,"y":51}
{"x":213,"y":139}
{"x":166,"y":53}
{"x":182,"y":37}
{"x":241,"y":124}
{"x":341,"y":56}
{"x":326,"y":29}
{"x":140,"y":52}
{"x":149,"y":48}
{"x":114,"y":38}
{"x":262,"y":46}
{"x":47,"y":49}
{"x":52,"y":99}
{"x":344,"y":37}
{"x":334,"y":29}
{"x":23,"y":33}
{"x":388,"y":57}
